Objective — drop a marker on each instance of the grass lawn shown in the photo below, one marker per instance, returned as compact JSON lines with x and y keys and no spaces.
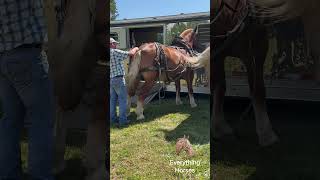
{"x":73,"y":156}
{"x":295,"y":157}
{"x":144,"y":149}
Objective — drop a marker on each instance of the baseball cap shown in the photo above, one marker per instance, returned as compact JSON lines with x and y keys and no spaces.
{"x":113,"y":41}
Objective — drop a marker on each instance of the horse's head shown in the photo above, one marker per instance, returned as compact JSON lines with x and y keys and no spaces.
{"x":187,"y":36}
{"x":190,"y":36}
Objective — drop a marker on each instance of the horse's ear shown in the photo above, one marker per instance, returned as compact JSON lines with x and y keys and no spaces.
{"x":188,"y":137}
{"x":184,"y":136}
{"x":195,"y":30}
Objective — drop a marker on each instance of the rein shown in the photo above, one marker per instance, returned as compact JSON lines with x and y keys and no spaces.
{"x":229,"y":36}
{"x":61,"y":9}
{"x":234,"y":10}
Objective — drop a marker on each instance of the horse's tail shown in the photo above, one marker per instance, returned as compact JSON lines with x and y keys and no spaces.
{"x":274,"y":11}
{"x":202,"y":60}
{"x":133,"y":71}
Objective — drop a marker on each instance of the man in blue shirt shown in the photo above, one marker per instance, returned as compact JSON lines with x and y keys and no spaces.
{"x":25,"y":90}
{"x":118,"y":89}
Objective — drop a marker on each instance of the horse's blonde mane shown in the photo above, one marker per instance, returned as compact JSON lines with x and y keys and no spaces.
{"x":204,"y":57}
{"x":202,"y":60}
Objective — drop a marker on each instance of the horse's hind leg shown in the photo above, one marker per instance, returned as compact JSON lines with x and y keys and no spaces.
{"x":190,"y":75}
{"x":178,"y":88}
{"x":60,"y":139}
{"x":96,"y":143}
{"x":147,"y":86}
{"x":220,"y":126}
{"x":263,"y":124}
{"x":131,"y":93}
{"x":97,"y":129}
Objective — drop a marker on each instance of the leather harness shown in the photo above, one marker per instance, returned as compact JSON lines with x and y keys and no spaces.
{"x":161,"y":61}
{"x":229,"y":36}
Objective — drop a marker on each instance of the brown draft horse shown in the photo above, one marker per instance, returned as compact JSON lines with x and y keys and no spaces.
{"x":308,"y":11}
{"x":187,"y":41}
{"x":250,"y":44}
{"x":146,"y":64}
{"x":251,"y":47}
{"x":73,"y":61}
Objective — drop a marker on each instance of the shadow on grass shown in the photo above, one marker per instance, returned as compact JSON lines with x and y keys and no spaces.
{"x":197,"y":125}
{"x":296,"y":156}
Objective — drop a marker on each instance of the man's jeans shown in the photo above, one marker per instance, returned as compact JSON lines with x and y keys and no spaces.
{"x":25,"y":94}
{"x":118,"y":90}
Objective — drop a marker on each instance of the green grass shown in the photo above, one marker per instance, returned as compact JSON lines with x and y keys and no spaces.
{"x":143,"y":150}
{"x":295,"y":157}
{"x":73,"y":156}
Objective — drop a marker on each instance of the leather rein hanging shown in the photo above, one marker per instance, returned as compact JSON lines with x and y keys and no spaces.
{"x":61,"y":9}
{"x":235,"y":10}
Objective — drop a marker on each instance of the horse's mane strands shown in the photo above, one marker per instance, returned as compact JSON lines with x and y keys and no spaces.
{"x":134,"y":69}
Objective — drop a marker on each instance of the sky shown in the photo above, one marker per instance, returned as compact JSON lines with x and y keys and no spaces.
{"x":130,"y":9}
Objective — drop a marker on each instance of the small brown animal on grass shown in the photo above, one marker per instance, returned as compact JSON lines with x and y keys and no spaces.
{"x":184,"y":144}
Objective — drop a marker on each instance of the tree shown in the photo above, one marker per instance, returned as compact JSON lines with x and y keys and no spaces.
{"x":113,"y":10}
{"x":178,"y":28}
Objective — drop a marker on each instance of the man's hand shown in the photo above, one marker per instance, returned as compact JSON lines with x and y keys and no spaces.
{"x":133,"y":51}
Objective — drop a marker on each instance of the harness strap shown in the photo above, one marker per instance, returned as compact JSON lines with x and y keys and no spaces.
{"x":161,"y":65}
{"x":229,"y":35}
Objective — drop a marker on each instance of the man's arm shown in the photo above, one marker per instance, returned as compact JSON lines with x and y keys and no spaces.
{"x":125,"y":54}
{"x":133,"y":51}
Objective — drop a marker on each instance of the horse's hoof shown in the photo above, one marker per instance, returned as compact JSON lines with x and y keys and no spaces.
{"x":268,"y":139}
{"x":97,"y":174}
{"x":223,"y":131}
{"x":227,"y":138}
{"x":193,"y":105}
{"x":141,"y":117}
{"x":59,"y":168}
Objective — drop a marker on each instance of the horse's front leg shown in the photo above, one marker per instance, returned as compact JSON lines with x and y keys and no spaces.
{"x":178,"y":88}
{"x":263,"y":124}
{"x":190,"y":75}
{"x":220,"y":126}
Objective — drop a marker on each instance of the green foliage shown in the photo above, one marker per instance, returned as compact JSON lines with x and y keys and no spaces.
{"x":178,"y":28}
{"x":113,"y":10}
